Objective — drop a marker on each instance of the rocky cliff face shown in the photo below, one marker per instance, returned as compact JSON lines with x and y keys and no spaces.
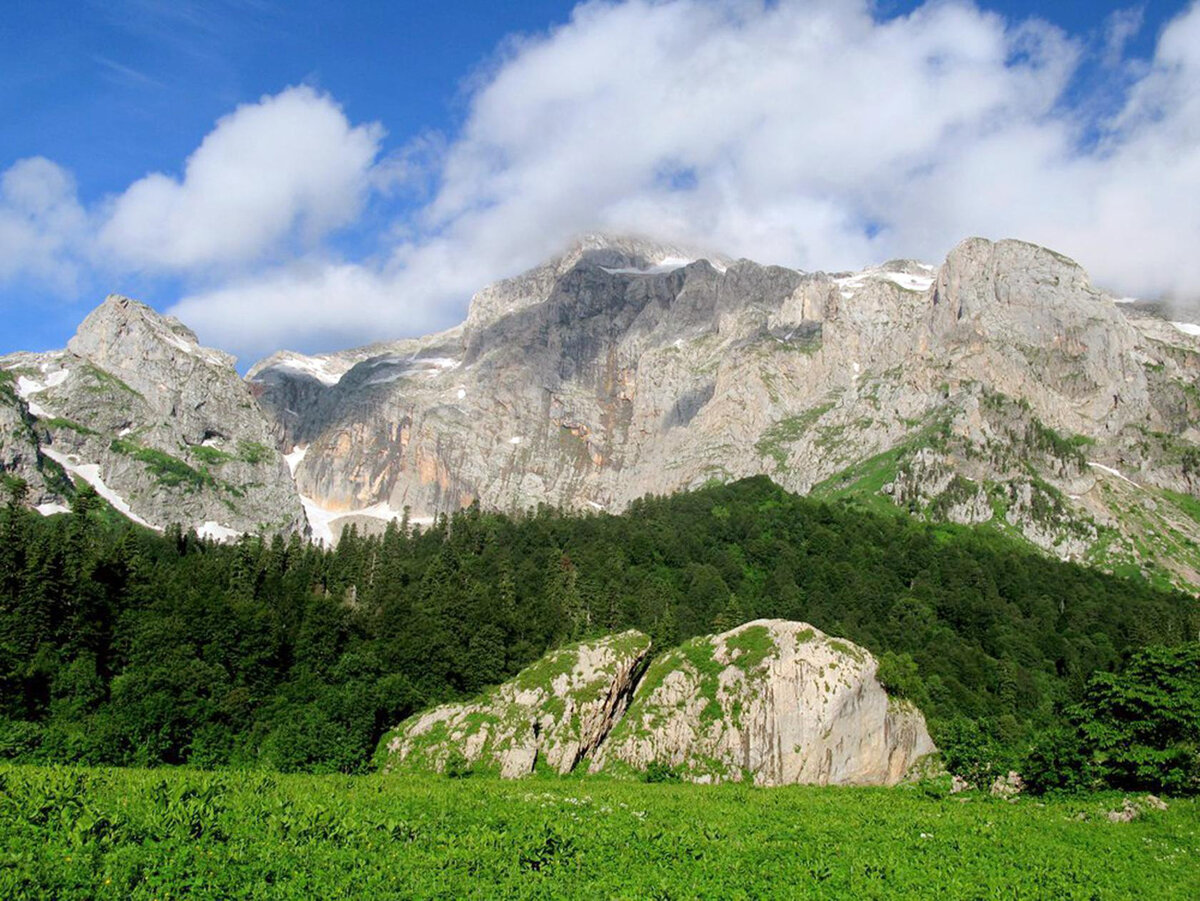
{"x":1001,"y":387}
{"x":554,"y":714}
{"x":773,"y":702}
{"x":163,"y":428}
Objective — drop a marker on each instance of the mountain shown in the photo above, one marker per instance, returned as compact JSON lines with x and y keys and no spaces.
{"x":771,"y":701}
{"x":164,"y":429}
{"x":1001,"y":388}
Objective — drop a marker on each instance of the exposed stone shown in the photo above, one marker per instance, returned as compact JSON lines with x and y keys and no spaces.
{"x":1001,"y":387}
{"x":773,"y":702}
{"x":556,"y":711}
{"x":1155,"y":802}
{"x":163,"y":428}
{"x":623,"y":368}
{"x":1127,"y":814}
{"x":1008,"y":786}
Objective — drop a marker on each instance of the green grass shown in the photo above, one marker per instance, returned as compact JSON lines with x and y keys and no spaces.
{"x":103,"y":381}
{"x":775,"y":441}
{"x":117,"y":834}
{"x":755,"y":644}
{"x":213,"y":456}
{"x":58,"y":422}
{"x":168,"y":470}
{"x":1185,"y":502}
{"x":864,"y":481}
{"x":254,"y":453}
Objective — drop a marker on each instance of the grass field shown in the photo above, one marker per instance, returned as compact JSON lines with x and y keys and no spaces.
{"x":105,"y":833}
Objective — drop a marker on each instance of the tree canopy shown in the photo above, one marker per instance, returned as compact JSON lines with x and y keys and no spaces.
{"x":119,"y":645}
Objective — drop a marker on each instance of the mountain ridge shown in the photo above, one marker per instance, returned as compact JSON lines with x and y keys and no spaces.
{"x":1000,"y":388}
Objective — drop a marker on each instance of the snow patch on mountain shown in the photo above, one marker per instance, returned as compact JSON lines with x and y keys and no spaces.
{"x":319,"y":520}
{"x":217,"y":532}
{"x":294,"y":459}
{"x":90,"y":473}
{"x":1111,"y":472}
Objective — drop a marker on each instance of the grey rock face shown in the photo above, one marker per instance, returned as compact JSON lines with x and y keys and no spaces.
{"x":980,"y":391}
{"x":1001,"y":387}
{"x":556,"y":712}
{"x":163,"y":428}
{"x":19,"y":455}
{"x":773,"y":702}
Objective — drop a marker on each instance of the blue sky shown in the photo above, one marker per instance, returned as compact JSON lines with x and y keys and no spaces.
{"x":448,"y":144}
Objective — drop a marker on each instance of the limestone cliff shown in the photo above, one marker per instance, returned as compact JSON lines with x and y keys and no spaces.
{"x":552,"y":714}
{"x":1001,"y":387}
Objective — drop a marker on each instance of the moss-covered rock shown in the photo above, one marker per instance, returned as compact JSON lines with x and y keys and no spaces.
{"x":773,"y":702}
{"x":552,"y":714}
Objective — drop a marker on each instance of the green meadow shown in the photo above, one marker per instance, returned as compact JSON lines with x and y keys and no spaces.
{"x":68,"y":832}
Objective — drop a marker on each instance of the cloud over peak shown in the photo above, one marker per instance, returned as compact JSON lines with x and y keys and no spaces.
{"x":811,"y":133}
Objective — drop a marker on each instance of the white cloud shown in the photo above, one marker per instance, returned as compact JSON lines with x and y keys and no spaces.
{"x":309,"y":304}
{"x":288,"y":167}
{"x":40,"y":219}
{"x":813,"y":134}
{"x":1121,"y":26}
{"x":804,"y":132}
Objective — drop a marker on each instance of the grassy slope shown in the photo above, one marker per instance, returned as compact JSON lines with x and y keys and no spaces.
{"x":75,"y":833}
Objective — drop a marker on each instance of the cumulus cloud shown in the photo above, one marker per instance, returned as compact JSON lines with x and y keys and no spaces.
{"x":812,"y":133}
{"x":288,"y":167}
{"x":40,"y":220}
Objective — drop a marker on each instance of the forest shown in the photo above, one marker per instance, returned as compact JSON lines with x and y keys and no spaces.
{"x":122,"y":646}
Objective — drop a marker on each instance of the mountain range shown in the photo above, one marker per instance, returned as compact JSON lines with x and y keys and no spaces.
{"x":1000,"y":389}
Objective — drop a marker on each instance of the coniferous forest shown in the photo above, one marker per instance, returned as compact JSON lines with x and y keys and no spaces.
{"x":122,"y":646}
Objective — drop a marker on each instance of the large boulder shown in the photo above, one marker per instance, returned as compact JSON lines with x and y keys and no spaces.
{"x":553,"y":714}
{"x":772,"y":702}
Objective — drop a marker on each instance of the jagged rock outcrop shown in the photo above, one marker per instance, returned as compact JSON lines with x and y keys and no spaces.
{"x":1032,"y":400}
{"x":553,"y":714}
{"x":163,"y":428}
{"x":19,"y":454}
{"x":773,"y":702}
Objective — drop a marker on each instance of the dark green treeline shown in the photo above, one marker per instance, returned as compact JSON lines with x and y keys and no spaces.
{"x":121,"y":646}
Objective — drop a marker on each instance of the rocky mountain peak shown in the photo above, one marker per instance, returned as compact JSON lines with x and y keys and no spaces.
{"x":125,"y":334}
{"x":161,"y":427}
{"x":621,"y":253}
{"x":1000,"y":387}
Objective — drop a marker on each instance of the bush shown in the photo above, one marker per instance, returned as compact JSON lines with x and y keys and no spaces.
{"x":898,"y":675}
{"x":458,"y":767}
{"x":970,"y":753}
{"x":1144,"y":724}
{"x":18,"y":738}
{"x":1138,"y":730}
{"x":660,"y":772}
{"x":1058,"y":761}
